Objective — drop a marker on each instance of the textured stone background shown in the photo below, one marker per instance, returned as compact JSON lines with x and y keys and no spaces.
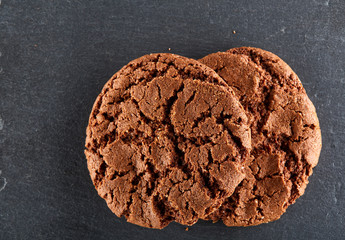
{"x":55,"y":57}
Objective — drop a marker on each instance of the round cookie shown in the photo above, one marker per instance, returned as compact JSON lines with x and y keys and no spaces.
{"x":166,"y":141}
{"x":286,"y":137}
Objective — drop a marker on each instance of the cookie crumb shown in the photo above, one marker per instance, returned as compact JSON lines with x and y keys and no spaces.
{"x":187,"y":229}
{"x":169,"y":49}
{"x":233,"y":31}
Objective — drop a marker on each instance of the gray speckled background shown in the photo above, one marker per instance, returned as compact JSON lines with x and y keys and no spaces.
{"x":55,"y":58}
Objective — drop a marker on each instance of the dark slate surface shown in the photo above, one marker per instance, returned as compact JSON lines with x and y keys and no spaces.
{"x":56,"y":56}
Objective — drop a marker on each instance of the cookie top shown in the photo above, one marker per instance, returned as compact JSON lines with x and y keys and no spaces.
{"x":286,"y":137}
{"x":166,"y":141}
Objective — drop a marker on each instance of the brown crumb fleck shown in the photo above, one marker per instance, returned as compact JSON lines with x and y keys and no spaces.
{"x":169,"y":49}
{"x":234,"y":32}
{"x":187,"y":229}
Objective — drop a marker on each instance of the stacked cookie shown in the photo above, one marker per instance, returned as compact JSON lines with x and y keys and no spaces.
{"x":231,"y":137}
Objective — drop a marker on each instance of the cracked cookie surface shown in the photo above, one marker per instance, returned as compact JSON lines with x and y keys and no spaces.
{"x":286,"y":137}
{"x":166,"y":141}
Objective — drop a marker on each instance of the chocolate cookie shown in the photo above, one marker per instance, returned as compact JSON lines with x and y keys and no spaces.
{"x":286,"y":137}
{"x":166,"y":141}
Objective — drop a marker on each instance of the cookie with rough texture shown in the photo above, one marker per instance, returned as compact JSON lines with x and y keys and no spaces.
{"x":286,"y":137}
{"x":166,"y":141}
